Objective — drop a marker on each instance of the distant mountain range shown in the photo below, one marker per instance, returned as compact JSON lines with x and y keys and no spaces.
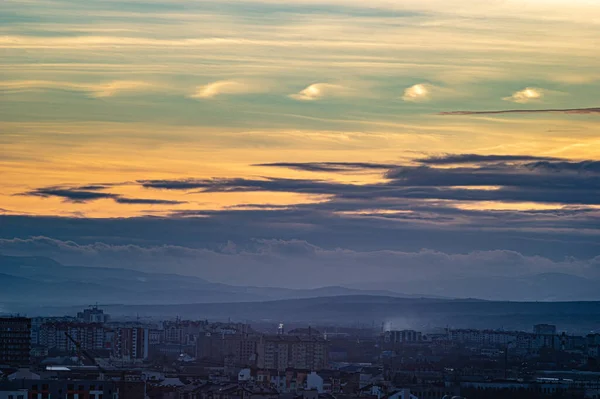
{"x":538,"y":287}
{"x":42,"y":286}
{"x":35,"y":280}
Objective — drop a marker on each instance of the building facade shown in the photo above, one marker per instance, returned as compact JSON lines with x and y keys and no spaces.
{"x":279,"y":352}
{"x":131,"y":343}
{"x":15,"y":340}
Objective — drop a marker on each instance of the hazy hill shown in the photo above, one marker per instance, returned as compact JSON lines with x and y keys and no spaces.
{"x":35,"y":280}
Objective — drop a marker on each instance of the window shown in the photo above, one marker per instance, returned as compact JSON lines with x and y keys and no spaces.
{"x":81,"y":388}
{"x":70,"y":387}
{"x":44,"y":387}
{"x":34,"y":387}
{"x":92,"y":387}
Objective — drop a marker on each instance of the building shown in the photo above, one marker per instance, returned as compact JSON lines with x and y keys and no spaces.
{"x":402,"y":336}
{"x":64,"y":389}
{"x":14,"y":394}
{"x":279,"y":352}
{"x":131,"y":343}
{"x":93,"y":315}
{"x":15,"y":340}
{"x":240,"y":349}
{"x":38,"y":322}
{"x":53,"y":336}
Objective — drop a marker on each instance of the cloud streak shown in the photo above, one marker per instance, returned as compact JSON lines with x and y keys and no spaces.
{"x":593,"y":110}
{"x":342,"y":167}
{"x":449,"y":159}
{"x":89,"y":193}
{"x":97,"y":90}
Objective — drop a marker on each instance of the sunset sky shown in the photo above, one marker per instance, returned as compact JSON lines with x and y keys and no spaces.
{"x":209,"y":137}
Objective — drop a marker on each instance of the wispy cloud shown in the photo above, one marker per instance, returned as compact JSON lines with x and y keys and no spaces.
{"x":342,"y":167}
{"x":221,"y":87}
{"x":527,"y":95}
{"x":317,"y":91}
{"x":449,"y":159}
{"x":106,"y":89}
{"x":90,"y":193}
{"x":594,"y":110}
{"x":71,"y":195}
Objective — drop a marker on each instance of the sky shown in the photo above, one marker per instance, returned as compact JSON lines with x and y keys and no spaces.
{"x":303,"y":143}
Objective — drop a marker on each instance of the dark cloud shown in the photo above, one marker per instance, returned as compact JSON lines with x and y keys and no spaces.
{"x":243,"y":185}
{"x":69,"y":194}
{"x":449,"y":159}
{"x":542,"y":181}
{"x":589,"y":167}
{"x":594,"y":110}
{"x":100,"y":186}
{"x":148,"y":201}
{"x":80,"y":195}
{"x":176,"y":184}
{"x":432,"y":224}
{"x":330,"y":166}
{"x":547,"y":175}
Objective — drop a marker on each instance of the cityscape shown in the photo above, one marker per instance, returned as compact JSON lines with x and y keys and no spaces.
{"x":90,"y":355}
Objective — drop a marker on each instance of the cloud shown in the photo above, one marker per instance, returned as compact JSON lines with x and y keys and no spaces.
{"x":318,"y":91}
{"x":294,"y":262}
{"x":449,"y":159}
{"x":514,"y":179}
{"x":222,"y":87}
{"x":71,"y":195}
{"x":418,"y":92}
{"x":147,"y":201}
{"x":119,"y":86}
{"x":97,"y":90}
{"x":176,"y":184}
{"x":594,"y":110}
{"x":372,"y":219}
{"x":90,"y":193}
{"x":342,"y":167}
{"x":527,"y":95}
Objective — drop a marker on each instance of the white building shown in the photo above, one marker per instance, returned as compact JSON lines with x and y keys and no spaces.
{"x":314,"y":381}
